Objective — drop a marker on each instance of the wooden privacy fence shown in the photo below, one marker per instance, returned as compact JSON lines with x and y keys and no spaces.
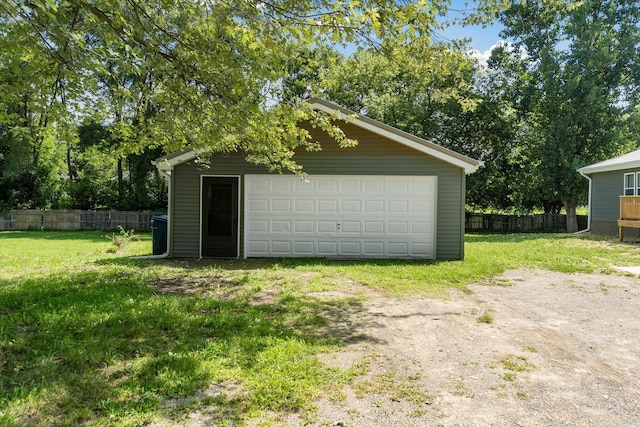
{"x":111,"y":220}
{"x":520,"y":223}
{"x":75,"y":220}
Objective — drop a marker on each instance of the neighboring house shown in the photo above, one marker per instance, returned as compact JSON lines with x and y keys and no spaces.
{"x":608,"y":180}
{"x":394,"y":195}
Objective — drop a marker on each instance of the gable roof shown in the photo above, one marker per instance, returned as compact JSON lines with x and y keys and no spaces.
{"x":427,"y":147}
{"x":166,"y":163}
{"x":626,"y":161}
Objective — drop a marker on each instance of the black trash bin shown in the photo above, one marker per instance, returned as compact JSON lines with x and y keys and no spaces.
{"x":159,"y":234}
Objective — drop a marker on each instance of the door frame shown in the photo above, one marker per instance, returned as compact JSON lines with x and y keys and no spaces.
{"x":200,"y":242}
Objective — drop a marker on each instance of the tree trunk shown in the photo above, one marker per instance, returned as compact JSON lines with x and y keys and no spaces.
{"x":572,"y":218}
{"x":70,"y":169}
{"x":120,"y":183}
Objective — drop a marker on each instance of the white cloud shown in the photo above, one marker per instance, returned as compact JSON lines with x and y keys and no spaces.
{"x":483,"y":57}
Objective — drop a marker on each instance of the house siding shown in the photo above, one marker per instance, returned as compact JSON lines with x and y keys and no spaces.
{"x":606,"y":189}
{"x":368,"y":145}
{"x":185,"y":221}
{"x":375,"y":155}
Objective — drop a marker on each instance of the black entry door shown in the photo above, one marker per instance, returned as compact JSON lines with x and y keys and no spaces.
{"x":220,"y":217}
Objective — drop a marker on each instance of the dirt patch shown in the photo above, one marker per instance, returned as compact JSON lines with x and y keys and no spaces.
{"x":542,"y":349}
{"x":203,"y":285}
{"x":535,"y":349}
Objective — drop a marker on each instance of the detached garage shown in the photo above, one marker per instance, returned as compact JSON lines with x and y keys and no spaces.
{"x":392,"y":196}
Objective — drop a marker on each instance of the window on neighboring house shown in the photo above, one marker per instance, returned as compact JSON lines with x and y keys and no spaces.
{"x":630,"y":184}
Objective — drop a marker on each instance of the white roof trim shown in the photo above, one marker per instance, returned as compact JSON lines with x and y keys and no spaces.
{"x":468,"y":164}
{"x":626,"y":161}
{"x":166,"y":164}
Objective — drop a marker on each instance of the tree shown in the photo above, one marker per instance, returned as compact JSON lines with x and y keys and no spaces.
{"x":210,"y":64}
{"x":101,"y":181}
{"x":33,"y":93}
{"x":578,"y":83}
{"x":205,"y":74}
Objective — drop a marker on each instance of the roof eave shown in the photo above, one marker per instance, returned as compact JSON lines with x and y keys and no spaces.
{"x":167,"y":163}
{"x":609,"y":168}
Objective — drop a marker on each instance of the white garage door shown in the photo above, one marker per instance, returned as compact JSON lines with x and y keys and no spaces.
{"x":340,"y":216}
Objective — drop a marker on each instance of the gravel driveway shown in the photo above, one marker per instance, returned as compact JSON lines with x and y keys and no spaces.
{"x":538,"y":349}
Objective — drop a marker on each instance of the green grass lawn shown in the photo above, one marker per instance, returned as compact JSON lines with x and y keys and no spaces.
{"x":88,"y":335}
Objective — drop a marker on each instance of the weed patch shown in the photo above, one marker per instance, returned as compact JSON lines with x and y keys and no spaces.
{"x":486,"y":317}
{"x":512,"y":365}
{"x":122,"y":239}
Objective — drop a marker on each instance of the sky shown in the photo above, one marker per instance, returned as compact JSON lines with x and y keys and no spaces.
{"x":482,"y":39}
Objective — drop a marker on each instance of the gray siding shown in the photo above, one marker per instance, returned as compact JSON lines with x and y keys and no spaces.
{"x":185,"y":216}
{"x":450,"y":209}
{"x":371,"y":157}
{"x":606,"y":189}
{"x":604,"y":228}
{"x":610,"y":228}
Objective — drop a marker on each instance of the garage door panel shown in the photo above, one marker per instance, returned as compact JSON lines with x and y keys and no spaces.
{"x":257,"y":186}
{"x":327,"y":186}
{"x":398,"y":248}
{"x":422,"y":186}
{"x":351,"y":227}
{"x":374,"y":185}
{"x":350,"y":248}
{"x":351,"y":206}
{"x":280,"y":247}
{"x":280,"y":205}
{"x":376,"y":206}
{"x":279,"y":226}
{"x":281,"y":185}
{"x":399,"y":187}
{"x":351,"y":185}
{"x":304,"y":226}
{"x":374,"y":249}
{"x":328,"y":206}
{"x":419,"y":227}
{"x":340,"y":216}
{"x":258,"y":205}
{"x":304,"y":248}
{"x":398,"y":206}
{"x":327,"y":248}
{"x":259,"y":226}
{"x":327,"y":226}
{"x":259,"y":247}
{"x":304,"y":206}
{"x":421,"y":249}
{"x":396,"y":227}
{"x":374,"y":227}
